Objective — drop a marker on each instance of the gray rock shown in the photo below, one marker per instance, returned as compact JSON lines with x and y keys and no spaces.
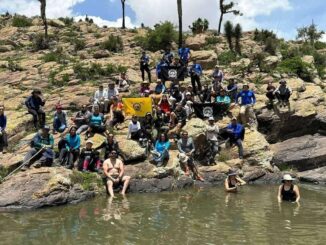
{"x":317,"y":176}
{"x":301,"y":153}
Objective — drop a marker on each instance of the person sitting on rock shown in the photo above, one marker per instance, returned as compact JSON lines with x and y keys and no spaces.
{"x":59,"y":120}
{"x":111,"y":92}
{"x":96,"y":123}
{"x":116,"y":113}
{"x":283,"y":93}
{"x":41,"y":152}
{"x":223,"y":101}
{"x":232,"y":182}
{"x":123,"y":83}
{"x":232,"y":89}
{"x":113,"y":169}
{"x":158,"y":91}
{"x":288,"y":191}
{"x":187,"y":149}
{"x":165,"y":104}
{"x":195,"y":72}
{"x":34,"y":105}
{"x":175,"y":94}
{"x":178,"y":119}
{"x":81,"y":119}
{"x":270,"y":92}
{"x":134,"y":129}
{"x":3,"y":134}
{"x":184,"y":54}
{"x":99,"y":98}
{"x":144,"y":66}
{"x":89,"y":159}
{"x":218,"y":75}
{"x":69,"y":147}
{"x":212,"y":131}
{"x":235,"y":135}
{"x":148,"y":129}
{"x":161,"y":150}
{"x":216,"y":87}
{"x":188,"y":97}
{"x":144,"y":87}
{"x":206,"y":94}
{"x":110,"y":144}
{"x":161,"y":121}
{"x":247,"y":102}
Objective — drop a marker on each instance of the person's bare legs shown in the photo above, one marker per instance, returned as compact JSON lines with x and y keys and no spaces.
{"x":125,"y":180}
{"x":110,"y":188}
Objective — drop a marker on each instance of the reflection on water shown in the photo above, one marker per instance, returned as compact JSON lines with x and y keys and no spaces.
{"x":193,"y":216}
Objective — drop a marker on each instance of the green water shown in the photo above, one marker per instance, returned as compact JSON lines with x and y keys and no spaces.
{"x":193,"y":216}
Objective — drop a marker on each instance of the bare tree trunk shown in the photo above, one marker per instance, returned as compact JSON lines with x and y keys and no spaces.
{"x":123,"y":14}
{"x":43,"y":16}
{"x":179,"y":3}
{"x":221,"y":17}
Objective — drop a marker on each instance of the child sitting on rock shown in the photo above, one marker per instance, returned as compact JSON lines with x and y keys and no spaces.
{"x":89,"y":159}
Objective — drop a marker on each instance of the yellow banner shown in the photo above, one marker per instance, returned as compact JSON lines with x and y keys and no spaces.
{"x":137,"y":106}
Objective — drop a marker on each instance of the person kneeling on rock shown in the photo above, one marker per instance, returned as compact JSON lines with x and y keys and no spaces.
{"x":113,"y":169}
{"x":186,"y":149}
{"x":89,"y":158}
{"x":232,"y":182}
{"x":41,"y":151}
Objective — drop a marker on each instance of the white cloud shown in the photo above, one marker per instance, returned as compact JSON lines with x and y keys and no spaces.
{"x":101,"y":22}
{"x":54,"y":8}
{"x":323,"y":39}
{"x":151,"y":12}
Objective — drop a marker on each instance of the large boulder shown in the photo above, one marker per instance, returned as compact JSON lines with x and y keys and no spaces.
{"x":196,"y":129}
{"x":317,"y":176}
{"x":196,"y":42}
{"x":301,"y":153}
{"x":207,"y":58}
{"x":131,"y":150}
{"x":45,"y":187}
{"x":272,"y":61}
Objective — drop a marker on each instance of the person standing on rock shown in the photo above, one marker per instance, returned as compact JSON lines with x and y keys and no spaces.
{"x":235,"y":133}
{"x":187,"y":149}
{"x":113,"y":169}
{"x":195,"y":72}
{"x":34,"y":105}
{"x":212,"y":131}
{"x":3,"y":134}
{"x":168,"y":56}
{"x":247,"y":102}
{"x":144,"y":66}
{"x":232,"y":182}
{"x":41,"y":151}
{"x":70,"y":147}
{"x":283,"y":93}
{"x":288,"y":191}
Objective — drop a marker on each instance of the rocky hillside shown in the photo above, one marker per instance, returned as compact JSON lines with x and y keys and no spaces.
{"x":78,"y":60}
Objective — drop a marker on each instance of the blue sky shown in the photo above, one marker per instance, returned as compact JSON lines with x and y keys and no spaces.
{"x":282,"y":16}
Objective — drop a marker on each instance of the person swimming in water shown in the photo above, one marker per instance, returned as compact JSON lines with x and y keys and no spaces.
{"x":232,"y":182}
{"x":288,"y":191}
{"x":113,"y":168}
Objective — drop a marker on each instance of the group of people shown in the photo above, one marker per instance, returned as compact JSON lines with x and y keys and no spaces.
{"x":172,"y":108}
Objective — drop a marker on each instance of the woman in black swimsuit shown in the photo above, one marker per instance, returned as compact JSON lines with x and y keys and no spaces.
{"x":232,"y":182}
{"x":288,"y":191}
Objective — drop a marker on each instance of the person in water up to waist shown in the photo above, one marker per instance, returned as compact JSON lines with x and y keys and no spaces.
{"x":288,"y":191}
{"x":232,"y":182}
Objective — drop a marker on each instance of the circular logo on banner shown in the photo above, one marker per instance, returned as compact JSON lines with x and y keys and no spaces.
{"x":173,"y":73}
{"x":208,"y":111}
{"x":137,"y":106}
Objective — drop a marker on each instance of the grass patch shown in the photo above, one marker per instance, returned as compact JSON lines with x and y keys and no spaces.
{"x":224,"y":155}
{"x":21,"y":21}
{"x":88,"y":181}
{"x":113,"y":44}
{"x":68,"y":21}
{"x":226,"y":58}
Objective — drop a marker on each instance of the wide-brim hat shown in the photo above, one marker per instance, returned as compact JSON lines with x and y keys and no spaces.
{"x":232,"y":172}
{"x":287,"y":177}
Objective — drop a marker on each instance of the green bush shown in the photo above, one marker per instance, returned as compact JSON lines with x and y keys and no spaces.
{"x":14,"y":66}
{"x":199,"y":26}
{"x":226,"y":58}
{"x":320,"y":63}
{"x":271,"y":46}
{"x":21,"y":21}
{"x":39,"y":42}
{"x":68,"y":21}
{"x":211,"y":41}
{"x":320,"y":45}
{"x":57,"y":56}
{"x":79,"y":44}
{"x":263,"y":35}
{"x":113,"y":43}
{"x":295,"y":66}
{"x":161,"y":37}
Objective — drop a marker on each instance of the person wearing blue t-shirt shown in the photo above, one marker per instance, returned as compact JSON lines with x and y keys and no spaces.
{"x":3,"y":134}
{"x":235,"y":135}
{"x":184,"y":54}
{"x":246,"y":103}
{"x":161,"y":151}
{"x":195,"y":72}
{"x":144,"y":66}
{"x":96,"y":123}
